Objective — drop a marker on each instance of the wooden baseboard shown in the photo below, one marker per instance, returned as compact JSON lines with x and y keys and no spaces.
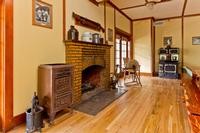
{"x":19,"y":119}
{"x":146,"y":74}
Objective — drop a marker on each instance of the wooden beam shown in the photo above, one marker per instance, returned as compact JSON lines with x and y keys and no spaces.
{"x":94,"y":2}
{"x":175,"y":17}
{"x":114,"y":6}
{"x":143,"y":19}
{"x":192,"y":15}
{"x":184,"y":7}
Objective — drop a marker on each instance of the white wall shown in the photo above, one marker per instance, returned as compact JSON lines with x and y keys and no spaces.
{"x":142,"y":44}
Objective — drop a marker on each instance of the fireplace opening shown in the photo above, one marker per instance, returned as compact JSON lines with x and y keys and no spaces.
{"x":91,"y":78}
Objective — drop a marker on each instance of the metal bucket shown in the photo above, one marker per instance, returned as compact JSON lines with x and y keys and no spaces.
{"x":34,"y":120}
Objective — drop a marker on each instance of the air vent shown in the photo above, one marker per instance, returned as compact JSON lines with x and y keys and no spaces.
{"x":158,"y":23}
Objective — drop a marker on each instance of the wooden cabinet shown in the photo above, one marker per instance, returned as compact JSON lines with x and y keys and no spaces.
{"x":55,"y":87}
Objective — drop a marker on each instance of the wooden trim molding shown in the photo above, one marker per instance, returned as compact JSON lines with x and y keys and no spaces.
{"x":152,"y":47}
{"x":124,"y":33}
{"x":1,"y":57}
{"x":130,"y":7}
{"x":184,"y":6}
{"x":7,"y":65}
{"x":131,"y":42}
{"x":114,"y":37}
{"x":143,"y":19}
{"x":175,"y":17}
{"x":19,"y":119}
{"x":192,"y":15}
{"x":105,"y":25}
{"x":146,"y":74}
{"x":64,"y":20}
{"x":141,"y":5}
{"x":94,"y":2}
{"x":182,"y":39}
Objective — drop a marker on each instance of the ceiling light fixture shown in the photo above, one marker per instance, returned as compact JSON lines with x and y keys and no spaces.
{"x":150,"y":3}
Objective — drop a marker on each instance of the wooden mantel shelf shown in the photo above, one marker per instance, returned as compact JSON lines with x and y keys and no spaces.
{"x":83,"y":42}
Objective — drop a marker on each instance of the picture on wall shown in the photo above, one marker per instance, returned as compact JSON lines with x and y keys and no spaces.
{"x":196,"y":40}
{"x":167,"y":41}
{"x":41,"y":14}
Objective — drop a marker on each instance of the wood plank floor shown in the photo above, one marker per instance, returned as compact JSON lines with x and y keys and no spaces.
{"x":157,"y":107}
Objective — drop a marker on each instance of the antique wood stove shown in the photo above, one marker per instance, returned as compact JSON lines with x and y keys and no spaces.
{"x":55,"y":87}
{"x":168,"y":62}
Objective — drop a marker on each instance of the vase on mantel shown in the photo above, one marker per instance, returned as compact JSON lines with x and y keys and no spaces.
{"x":73,"y":33}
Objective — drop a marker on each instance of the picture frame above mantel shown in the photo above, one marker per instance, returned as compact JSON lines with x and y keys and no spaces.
{"x":42,"y":14}
{"x":85,"y":22}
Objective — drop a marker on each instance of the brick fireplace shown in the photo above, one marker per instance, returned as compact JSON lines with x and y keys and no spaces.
{"x":83,"y":56}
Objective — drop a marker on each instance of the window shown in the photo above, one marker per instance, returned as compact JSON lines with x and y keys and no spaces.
{"x":122,"y":49}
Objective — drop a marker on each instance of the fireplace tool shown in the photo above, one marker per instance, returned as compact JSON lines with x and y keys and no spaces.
{"x":34,"y":121}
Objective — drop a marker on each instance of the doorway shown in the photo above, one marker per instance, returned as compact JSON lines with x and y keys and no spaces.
{"x":6,"y":64}
{"x":122,"y":47}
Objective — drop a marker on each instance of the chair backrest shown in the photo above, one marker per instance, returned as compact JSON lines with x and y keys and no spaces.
{"x":132,"y":62}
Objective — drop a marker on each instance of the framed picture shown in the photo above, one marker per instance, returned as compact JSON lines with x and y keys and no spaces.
{"x":167,"y":41}
{"x":196,"y":40}
{"x":41,"y":14}
{"x":110,"y":35}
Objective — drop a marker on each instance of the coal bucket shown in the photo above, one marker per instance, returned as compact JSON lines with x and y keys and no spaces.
{"x":34,"y":120}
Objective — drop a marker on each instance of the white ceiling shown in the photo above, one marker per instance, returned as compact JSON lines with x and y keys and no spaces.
{"x":168,"y":9}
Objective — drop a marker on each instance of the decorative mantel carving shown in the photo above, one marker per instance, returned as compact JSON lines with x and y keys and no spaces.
{"x":85,"y":22}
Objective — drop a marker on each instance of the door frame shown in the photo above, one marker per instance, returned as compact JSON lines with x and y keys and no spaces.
{"x":124,"y":34}
{"x":6,"y":64}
